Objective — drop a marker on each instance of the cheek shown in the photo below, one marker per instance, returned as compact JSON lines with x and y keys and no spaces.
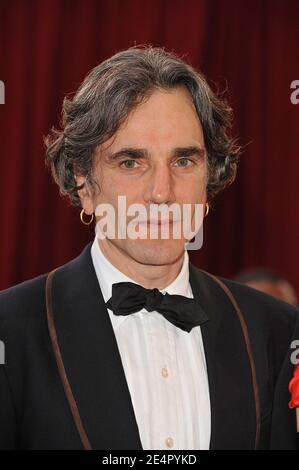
{"x":194,"y":190}
{"x":113,"y":186}
{"x":201,"y":185}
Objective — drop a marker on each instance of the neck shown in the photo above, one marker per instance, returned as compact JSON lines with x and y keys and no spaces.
{"x":149,"y":276}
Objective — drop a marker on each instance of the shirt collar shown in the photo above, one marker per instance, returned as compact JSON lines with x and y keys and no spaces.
{"x":108,"y":274}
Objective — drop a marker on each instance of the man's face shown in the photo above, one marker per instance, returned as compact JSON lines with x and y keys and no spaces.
{"x":156,"y":157}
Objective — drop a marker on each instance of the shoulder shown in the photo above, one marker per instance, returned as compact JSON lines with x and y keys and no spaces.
{"x":262,"y":306}
{"x":270,"y":321}
{"x":20,"y":302}
{"x":21,"y":294}
{"x":264,"y":314}
{"x":253,"y":301}
{"x":27,"y":300}
{"x":271,"y":324}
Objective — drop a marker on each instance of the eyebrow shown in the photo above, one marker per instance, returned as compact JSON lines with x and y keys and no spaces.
{"x":178,"y":152}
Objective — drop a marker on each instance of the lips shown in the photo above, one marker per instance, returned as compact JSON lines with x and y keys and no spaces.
{"x":158,"y":222}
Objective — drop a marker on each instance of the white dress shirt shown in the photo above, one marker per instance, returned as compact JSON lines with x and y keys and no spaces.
{"x":164,"y":366}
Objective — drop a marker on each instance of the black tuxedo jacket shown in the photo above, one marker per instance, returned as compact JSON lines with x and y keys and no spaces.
{"x":63,"y":385}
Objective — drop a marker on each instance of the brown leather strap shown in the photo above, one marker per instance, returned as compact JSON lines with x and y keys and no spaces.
{"x":61,"y":369}
{"x":249,"y":352}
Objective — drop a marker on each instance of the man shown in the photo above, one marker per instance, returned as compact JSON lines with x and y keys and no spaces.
{"x":129,"y":346}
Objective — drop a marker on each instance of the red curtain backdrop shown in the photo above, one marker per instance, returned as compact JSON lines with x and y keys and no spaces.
{"x":46,"y":49}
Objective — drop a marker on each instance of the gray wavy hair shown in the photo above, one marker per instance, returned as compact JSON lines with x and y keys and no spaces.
{"x":107,"y":96}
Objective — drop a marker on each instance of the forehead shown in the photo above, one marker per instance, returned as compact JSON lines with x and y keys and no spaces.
{"x":166,"y":118}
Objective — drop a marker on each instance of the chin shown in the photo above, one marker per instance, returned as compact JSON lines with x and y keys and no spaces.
{"x":155,"y":252}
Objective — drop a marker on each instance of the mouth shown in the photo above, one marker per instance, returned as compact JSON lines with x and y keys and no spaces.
{"x":158,"y":223}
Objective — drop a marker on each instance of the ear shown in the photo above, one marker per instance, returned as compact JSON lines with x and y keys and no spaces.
{"x":85,"y":194}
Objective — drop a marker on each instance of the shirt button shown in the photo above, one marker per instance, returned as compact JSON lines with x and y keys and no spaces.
{"x":169,"y":442}
{"x":164,"y":372}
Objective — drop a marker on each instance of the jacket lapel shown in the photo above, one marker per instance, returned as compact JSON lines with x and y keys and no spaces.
{"x":233,"y":413}
{"x":91,"y":358}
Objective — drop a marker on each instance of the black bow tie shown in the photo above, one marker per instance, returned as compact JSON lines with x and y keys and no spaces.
{"x":181,"y":311}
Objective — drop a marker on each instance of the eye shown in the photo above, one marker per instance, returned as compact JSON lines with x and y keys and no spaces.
{"x":129,"y":164}
{"x":184,"y":162}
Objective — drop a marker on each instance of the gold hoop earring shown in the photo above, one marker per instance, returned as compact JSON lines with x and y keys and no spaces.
{"x":82,"y":218}
{"x":207,"y":209}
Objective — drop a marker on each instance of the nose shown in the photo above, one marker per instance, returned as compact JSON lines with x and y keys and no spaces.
{"x":159,"y":189}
